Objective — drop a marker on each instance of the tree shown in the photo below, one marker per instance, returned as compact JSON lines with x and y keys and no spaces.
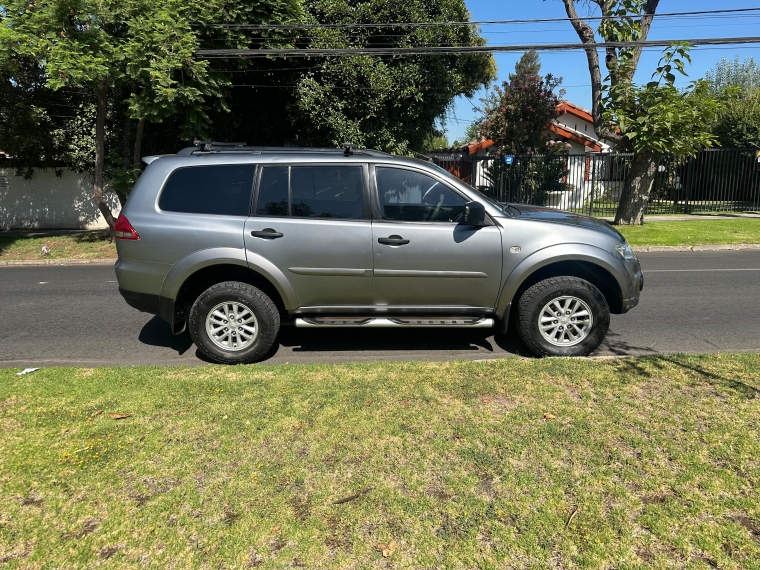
{"x":135,"y":57}
{"x":519,"y":112}
{"x":738,"y":124}
{"x":646,"y":120}
{"x":733,"y":73}
{"x":528,"y":64}
{"x":385,"y":102}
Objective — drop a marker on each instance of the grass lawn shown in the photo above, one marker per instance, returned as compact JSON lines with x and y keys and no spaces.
{"x":631,"y":463}
{"x":698,"y":232}
{"x":93,"y":245}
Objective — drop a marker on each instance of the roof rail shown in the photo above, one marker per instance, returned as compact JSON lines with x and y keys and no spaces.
{"x":222,"y":147}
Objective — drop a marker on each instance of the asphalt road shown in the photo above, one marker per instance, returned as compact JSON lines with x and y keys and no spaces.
{"x":692,"y":302}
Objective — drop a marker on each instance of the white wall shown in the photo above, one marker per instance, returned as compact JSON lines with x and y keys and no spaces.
{"x":47,"y":201}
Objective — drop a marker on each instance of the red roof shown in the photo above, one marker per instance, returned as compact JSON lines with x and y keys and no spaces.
{"x":564,"y":108}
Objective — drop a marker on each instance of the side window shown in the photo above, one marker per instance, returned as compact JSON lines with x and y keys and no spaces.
{"x":273,"y":192}
{"x":409,"y":196}
{"x":223,"y":189}
{"x":314,"y":192}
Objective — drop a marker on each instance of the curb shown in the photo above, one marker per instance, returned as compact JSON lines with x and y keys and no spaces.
{"x":43,"y":262}
{"x":711,"y":247}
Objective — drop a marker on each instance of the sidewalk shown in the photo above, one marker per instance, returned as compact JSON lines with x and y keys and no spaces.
{"x":691,"y":217}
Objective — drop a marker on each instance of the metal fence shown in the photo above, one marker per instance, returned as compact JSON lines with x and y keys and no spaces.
{"x":715,"y":180}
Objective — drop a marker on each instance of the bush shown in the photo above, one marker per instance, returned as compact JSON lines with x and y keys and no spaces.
{"x":738,"y":125}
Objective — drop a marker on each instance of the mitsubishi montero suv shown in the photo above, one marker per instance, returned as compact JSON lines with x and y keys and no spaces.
{"x":233,"y":241}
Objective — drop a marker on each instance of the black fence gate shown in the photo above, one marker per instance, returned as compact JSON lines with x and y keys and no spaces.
{"x":715,"y":180}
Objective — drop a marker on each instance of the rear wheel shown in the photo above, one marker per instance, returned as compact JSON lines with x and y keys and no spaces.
{"x":563,"y":316}
{"x":234,"y":323}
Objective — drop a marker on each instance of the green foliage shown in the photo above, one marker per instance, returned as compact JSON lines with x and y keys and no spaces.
{"x":738,"y":124}
{"x":733,"y":73}
{"x":519,"y":111}
{"x":528,"y":64}
{"x":385,"y":102}
{"x":658,"y":116}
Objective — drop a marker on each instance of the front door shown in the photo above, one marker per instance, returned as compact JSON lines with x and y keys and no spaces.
{"x":313,"y":223}
{"x":424,"y":255}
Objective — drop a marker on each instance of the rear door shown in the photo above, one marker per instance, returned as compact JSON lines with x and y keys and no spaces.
{"x":424,"y":256}
{"x":313,"y":223}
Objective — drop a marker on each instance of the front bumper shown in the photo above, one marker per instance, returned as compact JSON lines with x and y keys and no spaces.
{"x":638,"y":285}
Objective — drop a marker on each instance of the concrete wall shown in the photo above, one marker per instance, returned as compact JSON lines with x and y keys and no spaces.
{"x":47,"y":201}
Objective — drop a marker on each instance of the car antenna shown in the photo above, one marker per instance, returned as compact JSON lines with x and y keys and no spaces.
{"x":349,"y":149}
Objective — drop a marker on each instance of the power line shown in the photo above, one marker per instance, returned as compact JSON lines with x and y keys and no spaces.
{"x":475,"y":23}
{"x":458,"y":50}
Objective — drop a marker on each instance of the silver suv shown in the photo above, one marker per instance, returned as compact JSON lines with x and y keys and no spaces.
{"x":234,"y":241}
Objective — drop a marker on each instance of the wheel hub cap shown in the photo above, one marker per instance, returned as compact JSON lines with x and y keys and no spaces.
{"x":565,"y":321}
{"x":232,"y":326}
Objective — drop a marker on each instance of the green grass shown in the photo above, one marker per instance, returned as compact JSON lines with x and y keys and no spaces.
{"x":698,"y":232}
{"x":94,"y":245}
{"x":658,"y":457}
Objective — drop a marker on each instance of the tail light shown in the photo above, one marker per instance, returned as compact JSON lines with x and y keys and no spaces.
{"x":124,"y":229}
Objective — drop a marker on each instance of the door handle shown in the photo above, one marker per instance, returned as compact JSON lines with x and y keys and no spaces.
{"x":393,"y":240}
{"x":268,"y":233}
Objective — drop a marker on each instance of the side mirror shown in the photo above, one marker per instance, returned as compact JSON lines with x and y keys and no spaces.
{"x":474,"y":214}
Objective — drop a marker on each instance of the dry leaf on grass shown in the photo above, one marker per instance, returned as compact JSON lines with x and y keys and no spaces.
{"x":119,"y":416}
{"x":387,"y":550}
{"x":99,"y":412}
{"x":486,"y":400}
{"x":549,"y":416}
{"x":275,"y":529}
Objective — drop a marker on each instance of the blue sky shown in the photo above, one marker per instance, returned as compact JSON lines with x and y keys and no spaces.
{"x":571,"y":66}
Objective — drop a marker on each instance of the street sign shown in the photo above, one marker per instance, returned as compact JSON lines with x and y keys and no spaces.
{"x":509,"y":159}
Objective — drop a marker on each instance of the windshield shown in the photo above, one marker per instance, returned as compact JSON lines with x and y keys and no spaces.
{"x":497,"y":205}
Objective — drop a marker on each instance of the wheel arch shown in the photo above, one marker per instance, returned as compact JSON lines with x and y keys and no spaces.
{"x":593,"y":264}
{"x":197,"y":272}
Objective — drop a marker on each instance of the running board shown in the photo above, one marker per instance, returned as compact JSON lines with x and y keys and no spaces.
{"x":384,"y":322}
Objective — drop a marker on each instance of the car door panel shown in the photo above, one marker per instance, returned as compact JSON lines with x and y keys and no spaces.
{"x":427,"y":258}
{"x":328,"y":261}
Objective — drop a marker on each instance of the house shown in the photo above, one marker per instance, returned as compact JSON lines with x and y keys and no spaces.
{"x":574,"y":129}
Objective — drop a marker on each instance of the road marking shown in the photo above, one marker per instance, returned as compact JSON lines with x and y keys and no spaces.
{"x":695,"y":270}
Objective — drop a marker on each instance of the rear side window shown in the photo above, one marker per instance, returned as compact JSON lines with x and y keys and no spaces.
{"x":311,"y":192}
{"x":223,"y":189}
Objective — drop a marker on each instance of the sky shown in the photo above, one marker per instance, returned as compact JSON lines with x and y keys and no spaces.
{"x":572,"y":66}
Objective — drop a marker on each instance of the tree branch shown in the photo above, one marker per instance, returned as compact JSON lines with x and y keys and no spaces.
{"x":586,"y":35}
{"x":646,"y":24}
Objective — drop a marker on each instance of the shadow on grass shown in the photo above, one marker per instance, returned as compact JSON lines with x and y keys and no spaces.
{"x":643,"y":368}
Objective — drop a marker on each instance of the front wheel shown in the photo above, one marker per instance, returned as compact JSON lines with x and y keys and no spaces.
{"x":562,"y":316}
{"x":234,"y":323}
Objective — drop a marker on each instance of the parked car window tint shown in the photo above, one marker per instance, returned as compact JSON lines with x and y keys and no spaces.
{"x":410,"y":196}
{"x":223,"y":189}
{"x":326,"y":192}
{"x":273,"y":192}
{"x":315,"y":192}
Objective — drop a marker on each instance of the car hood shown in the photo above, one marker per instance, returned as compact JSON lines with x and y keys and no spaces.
{"x":540,"y":214}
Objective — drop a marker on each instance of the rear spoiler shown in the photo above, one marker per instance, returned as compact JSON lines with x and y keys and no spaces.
{"x":149,"y":159}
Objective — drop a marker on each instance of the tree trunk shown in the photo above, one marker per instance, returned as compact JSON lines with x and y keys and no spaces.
{"x":636,"y":188}
{"x":125,"y":155}
{"x":100,"y":156}
{"x":136,"y":158}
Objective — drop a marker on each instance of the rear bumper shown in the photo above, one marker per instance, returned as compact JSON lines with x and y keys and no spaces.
{"x":144,"y":302}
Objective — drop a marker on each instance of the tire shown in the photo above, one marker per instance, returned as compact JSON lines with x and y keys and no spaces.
{"x":245,"y":343}
{"x":574,"y":295}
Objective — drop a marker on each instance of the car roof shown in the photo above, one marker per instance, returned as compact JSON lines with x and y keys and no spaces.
{"x":238,"y":153}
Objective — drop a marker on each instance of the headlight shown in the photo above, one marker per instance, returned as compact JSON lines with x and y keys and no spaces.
{"x":625,"y":250}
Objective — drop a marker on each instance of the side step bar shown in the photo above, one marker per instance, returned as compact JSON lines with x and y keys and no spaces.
{"x":387,"y":322}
